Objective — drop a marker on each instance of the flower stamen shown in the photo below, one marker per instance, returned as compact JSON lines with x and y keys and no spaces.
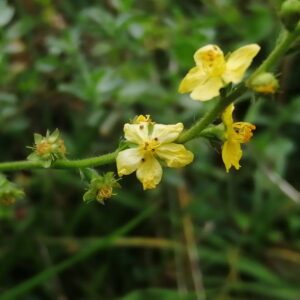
{"x":243,"y":131}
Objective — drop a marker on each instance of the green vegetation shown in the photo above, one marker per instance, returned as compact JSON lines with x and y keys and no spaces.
{"x":88,"y":67}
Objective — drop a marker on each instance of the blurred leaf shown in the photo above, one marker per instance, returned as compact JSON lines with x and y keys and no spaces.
{"x":150,"y":294}
{"x":6,"y":13}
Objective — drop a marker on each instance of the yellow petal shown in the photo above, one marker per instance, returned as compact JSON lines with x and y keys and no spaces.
{"x":231,"y":154}
{"x":238,"y":62}
{"x":207,"y":55}
{"x":208,"y":89}
{"x":175,"y":155}
{"x":192,"y":79}
{"x":166,"y":133}
{"x":136,"y":133}
{"x":227,"y":115}
{"x":128,"y":161}
{"x":149,"y":173}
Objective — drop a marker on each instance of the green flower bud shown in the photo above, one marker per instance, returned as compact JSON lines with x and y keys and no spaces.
{"x":265,"y":83}
{"x":48,"y":149}
{"x":101,"y":187}
{"x":290,"y":14}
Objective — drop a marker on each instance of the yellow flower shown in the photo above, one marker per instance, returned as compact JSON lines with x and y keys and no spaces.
{"x":237,"y":133}
{"x":152,"y":142}
{"x":213,"y":71}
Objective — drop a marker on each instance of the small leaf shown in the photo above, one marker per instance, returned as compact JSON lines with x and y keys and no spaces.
{"x":37,"y":138}
{"x":46,"y":163}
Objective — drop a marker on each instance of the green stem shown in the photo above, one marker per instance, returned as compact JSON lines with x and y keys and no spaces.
{"x":284,"y":43}
{"x":61,"y":164}
{"x":211,"y":116}
{"x":285,"y":40}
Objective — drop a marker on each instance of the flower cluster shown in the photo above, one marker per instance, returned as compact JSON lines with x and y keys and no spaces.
{"x":47,"y":149}
{"x":151,"y":143}
{"x":212,"y":72}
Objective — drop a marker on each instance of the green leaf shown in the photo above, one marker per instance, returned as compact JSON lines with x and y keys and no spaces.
{"x":158,"y":294}
{"x":6,"y":13}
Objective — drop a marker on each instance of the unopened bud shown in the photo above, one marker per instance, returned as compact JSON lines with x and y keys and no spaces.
{"x":265,"y":83}
{"x":290,"y":14}
{"x":101,"y":187}
{"x":48,"y":148}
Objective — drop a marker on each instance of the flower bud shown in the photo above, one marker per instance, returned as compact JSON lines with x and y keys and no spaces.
{"x":101,"y":187}
{"x":48,"y":149}
{"x":265,"y":83}
{"x":290,"y":14}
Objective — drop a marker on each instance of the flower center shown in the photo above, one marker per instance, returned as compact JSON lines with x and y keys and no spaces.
{"x":242,"y":131}
{"x":212,"y":61}
{"x":43,"y":148}
{"x":150,"y":146}
{"x":104,"y":193}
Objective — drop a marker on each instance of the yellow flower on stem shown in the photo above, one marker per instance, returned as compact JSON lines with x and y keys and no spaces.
{"x":213,"y":71}
{"x":236,"y":133}
{"x":150,"y":143}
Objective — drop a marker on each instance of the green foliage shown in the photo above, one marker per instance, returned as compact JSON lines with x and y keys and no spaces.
{"x":87,"y":67}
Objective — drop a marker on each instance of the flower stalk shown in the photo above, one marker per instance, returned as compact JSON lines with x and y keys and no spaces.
{"x":286,"y":40}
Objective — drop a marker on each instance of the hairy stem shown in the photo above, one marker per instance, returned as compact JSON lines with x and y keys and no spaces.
{"x":97,"y":161}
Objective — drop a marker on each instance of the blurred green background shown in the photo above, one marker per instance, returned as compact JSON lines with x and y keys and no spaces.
{"x":87,"y":67}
